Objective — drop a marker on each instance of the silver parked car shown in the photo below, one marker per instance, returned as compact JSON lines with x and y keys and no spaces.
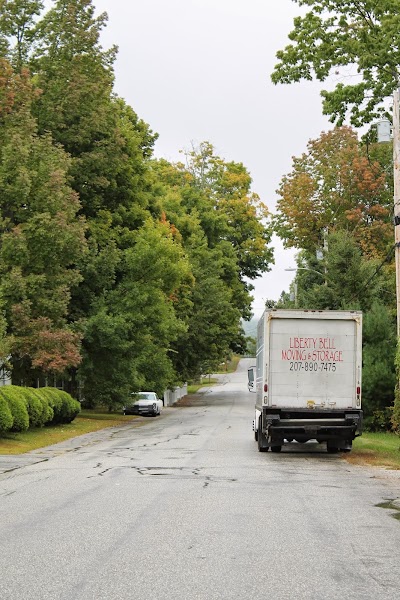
{"x":143,"y":403}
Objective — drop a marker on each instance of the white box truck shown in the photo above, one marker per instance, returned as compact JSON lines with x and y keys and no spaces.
{"x":308,"y":378}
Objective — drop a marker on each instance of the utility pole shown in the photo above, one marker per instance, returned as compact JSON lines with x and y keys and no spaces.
{"x":396,"y":182}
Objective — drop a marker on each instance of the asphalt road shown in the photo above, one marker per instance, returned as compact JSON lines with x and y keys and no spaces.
{"x":184,"y":507}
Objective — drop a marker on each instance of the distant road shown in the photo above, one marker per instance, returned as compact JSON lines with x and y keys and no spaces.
{"x":186,"y":508}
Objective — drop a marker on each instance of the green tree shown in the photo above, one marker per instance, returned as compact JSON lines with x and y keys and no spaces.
{"x":5,"y":339}
{"x":129,"y":334}
{"x":18,"y":20}
{"x":213,"y":320}
{"x":210,"y":204}
{"x":42,"y":238}
{"x":228,"y":209}
{"x":363,"y":35}
{"x":343,"y":280}
{"x":74,"y":74}
{"x":379,"y":377}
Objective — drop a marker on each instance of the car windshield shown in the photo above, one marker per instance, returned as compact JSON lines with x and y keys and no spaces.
{"x":144,"y":396}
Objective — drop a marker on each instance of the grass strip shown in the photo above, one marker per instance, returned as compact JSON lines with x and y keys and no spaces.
{"x":86,"y":422}
{"x":195,"y":387}
{"x":378,"y":449}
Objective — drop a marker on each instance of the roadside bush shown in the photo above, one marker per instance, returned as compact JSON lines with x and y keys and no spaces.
{"x":65,"y":408}
{"x":34,"y":406}
{"x":23,"y":407}
{"x":395,"y":419}
{"x":71,"y":407}
{"x":6,"y":418}
{"x":379,"y":376}
{"x":37,"y":408}
{"x":40,"y":407}
{"x":55,"y":403}
{"x":16,"y":402}
{"x":380,"y":420}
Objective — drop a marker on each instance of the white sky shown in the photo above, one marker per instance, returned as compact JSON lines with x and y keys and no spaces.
{"x":199,"y":70}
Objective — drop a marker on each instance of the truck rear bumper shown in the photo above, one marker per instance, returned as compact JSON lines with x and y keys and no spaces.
{"x":321,"y":433}
{"x":323,"y":426}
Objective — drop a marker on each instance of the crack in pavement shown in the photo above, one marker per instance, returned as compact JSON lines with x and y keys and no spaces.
{"x":170,"y":472}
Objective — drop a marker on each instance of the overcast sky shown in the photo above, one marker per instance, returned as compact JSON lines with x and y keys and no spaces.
{"x":199,"y":70}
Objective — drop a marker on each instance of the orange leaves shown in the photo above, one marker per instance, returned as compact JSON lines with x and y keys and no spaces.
{"x":16,"y":89}
{"x":334,"y":187}
{"x":7,"y":91}
{"x":50,"y":349}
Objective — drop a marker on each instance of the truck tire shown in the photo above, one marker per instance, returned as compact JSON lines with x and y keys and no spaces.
{"x":332,"y":448}
{"x":256,"y":436}
{"x":261,"y":439}
{"x":346,"y":447}
{"x":276,"y":448}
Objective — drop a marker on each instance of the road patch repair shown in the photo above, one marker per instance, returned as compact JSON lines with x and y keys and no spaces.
{"x":392,"y":505}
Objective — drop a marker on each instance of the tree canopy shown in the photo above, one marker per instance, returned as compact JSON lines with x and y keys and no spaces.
{"x":336,"y":185}
{"x":118,"y":272}
{"x":337,"y":35}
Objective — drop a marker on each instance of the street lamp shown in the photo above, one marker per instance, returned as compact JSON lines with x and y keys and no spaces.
{"x":306,"y":269}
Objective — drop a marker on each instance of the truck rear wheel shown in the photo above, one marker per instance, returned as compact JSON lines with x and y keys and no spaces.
{"x":346,"y":446}
{"x":332,"y":448}
{"x":261,"y":439}
{"x":276,"y":448}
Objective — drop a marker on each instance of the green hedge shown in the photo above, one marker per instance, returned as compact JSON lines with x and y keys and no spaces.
{"x":14,"y":396}
{"x":37,"y":408}
{"x":6,"y":418}
{"x":22,"y":407}
{"x":65,"y":408}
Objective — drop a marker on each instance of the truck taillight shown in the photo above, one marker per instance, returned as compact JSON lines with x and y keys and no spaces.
{"x":358,"y":390}
{"x":265,"y":387}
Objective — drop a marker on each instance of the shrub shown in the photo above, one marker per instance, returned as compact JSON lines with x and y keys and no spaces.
{"x":395,"y":420}
{"x":378,"y":377}
{"x":71,"y":407}
{"x":17,"y":405}
{"x":54,"y":403}
{"x":6,"y":418}
{"x":34,"y":406}
{"x":380,"y":420}
{"x":37,"y":408}
{"x":65,"y":408}
{"x":40,"y":406}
